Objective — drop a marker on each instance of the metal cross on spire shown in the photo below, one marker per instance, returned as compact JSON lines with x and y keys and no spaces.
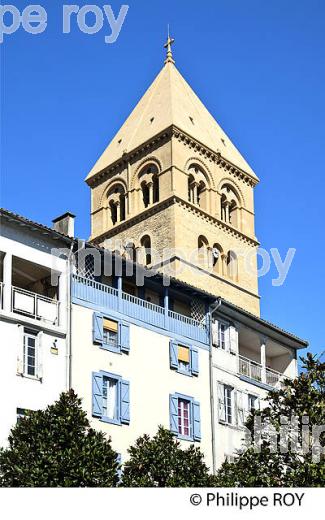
{"x":168,"y":46}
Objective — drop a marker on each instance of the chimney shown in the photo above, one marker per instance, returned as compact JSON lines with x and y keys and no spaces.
{"x":65,"y":224}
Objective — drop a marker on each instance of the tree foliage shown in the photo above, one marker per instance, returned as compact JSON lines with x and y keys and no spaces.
{"x":57,"y":447}
{"x":302,"y":398}
{"x":161,"y":462}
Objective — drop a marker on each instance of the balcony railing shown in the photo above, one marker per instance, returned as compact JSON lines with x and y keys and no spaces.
{"x":35,"y":306}
{"x":255,"y":371}
{"x":108,"y":298}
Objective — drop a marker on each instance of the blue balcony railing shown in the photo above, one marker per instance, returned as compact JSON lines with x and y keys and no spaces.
{"x":108,"y":298}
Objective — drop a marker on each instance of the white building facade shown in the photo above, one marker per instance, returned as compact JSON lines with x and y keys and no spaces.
{"x":33,"y":319}
{"x":132,"y":352}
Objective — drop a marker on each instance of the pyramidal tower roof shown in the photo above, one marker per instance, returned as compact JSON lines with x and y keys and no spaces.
{"x":170,"y":101}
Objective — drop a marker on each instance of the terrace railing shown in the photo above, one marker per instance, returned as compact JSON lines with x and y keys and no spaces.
{"x":106,"y":297}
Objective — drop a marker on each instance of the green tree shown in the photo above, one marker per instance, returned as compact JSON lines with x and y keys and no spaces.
{"x":57,"y":448}
{"x":161,"y":462}
{"x":303,"y":397}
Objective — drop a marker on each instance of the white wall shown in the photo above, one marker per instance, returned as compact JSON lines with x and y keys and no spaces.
{"x":17,"y":391}
{"x":151,"y":381}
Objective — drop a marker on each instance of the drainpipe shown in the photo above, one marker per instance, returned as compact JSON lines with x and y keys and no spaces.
{"x":69,"y":311}
{"x":214,"y":307}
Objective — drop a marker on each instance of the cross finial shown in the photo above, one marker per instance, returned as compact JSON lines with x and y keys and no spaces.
{"x":168,"y":46}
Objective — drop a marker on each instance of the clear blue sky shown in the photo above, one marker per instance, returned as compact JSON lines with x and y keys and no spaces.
{"x":258,"y":66}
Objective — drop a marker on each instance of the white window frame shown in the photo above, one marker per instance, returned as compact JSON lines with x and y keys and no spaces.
{"x":223,"y":403}
{"x":226,"y":339}
{"x":181,"y":416}
{"x":256,"y":401}
{"x":106,"y":380}
{"x":26,"y":335}
{"x":229,"y":404}
{"x":110,"y":338}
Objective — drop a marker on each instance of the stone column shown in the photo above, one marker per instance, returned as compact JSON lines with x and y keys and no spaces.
{"x":150,"y":193}
{"x":195,"y":193}
{"x":263,"y":359}
{"x":118,"y":211}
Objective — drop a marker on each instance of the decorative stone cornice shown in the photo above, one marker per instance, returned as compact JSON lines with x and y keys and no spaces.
{"x":216,"y":157}
{"x":187,"y":140}
{"x":128,"y":157}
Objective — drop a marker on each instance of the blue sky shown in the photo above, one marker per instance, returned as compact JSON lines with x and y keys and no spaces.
{"x":258,"y":66}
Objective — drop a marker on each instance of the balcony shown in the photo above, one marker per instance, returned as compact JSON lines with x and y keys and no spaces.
{"x":28,"y":289}
{"x":108,"y":298}
{"x":257,"y":372}
{"x":34,"y":306}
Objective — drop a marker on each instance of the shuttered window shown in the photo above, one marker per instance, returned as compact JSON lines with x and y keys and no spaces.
{"x":110,"y":334}
{"x":184,"y":359}
{"x":110,"y":398}
{"x":185,"y":421}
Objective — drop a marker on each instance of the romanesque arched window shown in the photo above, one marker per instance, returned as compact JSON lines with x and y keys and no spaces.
{"x":131,"y":252}
{"x":146,"y":245}
{"x":197,"y":186}
{"x":116,"y":203}
{"x":218,"y":259}
{"x":232,"y":265}
{"x":149,"y":182}
{"x":229,"y":201}
{"x":203,"y":249}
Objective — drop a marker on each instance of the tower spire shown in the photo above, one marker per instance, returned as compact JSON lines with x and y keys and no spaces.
{"x":168,"y":46}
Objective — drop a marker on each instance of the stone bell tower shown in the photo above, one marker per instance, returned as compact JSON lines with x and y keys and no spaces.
{"x":172,"y":182}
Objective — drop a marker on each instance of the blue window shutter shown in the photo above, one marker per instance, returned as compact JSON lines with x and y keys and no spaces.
{"x":196,"y":421}
{"x":195,"y":361}
{"x":125,"y":402}
{"x":97,"y":394}
{"x":173,"y":354}
{"x":173,"y":413}
{"x":124,"y":337}
{"x":97,"y":328}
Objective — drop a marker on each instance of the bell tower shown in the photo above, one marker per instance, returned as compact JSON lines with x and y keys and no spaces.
{"x":176,"y":191}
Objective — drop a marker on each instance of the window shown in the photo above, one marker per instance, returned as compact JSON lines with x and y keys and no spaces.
{"x":228,"y":404}
{"x":30,"y":358}
{"x":116,"y":203}
{"x":184,"y":358}
{"x":246,"y":403}
{"x":110,"y":334}
{"x":225,"y":394}
{"x":217,"y":259}
{"x":232,"y":265}
{"x":146,"y":245}
{"x":110,"y":395}
{"x":222,"y":330}
{"x":149,"y":183}
{"x":185,"y":417}
{"x":221,"y":333}
{"x":253,"y":403}
{"x":229,"y":205}
{"x":110,"y":398}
